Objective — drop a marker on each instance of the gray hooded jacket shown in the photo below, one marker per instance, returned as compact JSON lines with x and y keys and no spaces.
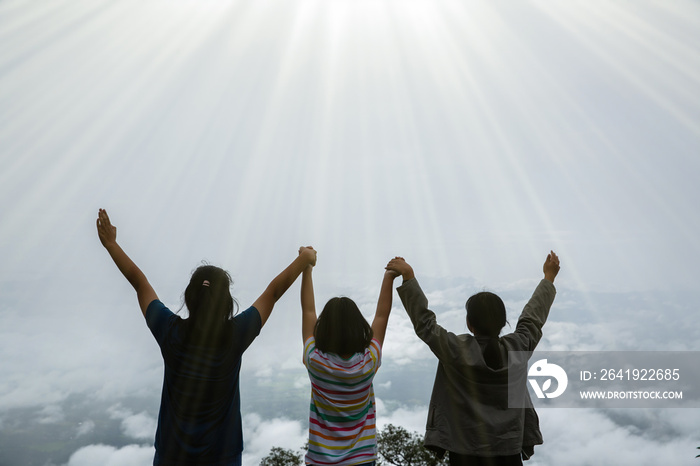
{"x":468,"y":412}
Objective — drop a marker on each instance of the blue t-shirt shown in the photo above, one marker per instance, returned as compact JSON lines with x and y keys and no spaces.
{"x":200,"y":408}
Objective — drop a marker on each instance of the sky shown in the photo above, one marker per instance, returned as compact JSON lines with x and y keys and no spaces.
{"x":469,"y":137}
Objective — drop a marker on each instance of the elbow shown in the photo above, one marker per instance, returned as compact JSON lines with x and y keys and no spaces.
{"x":425,"y":328}
{"x":273,"y":293}
{"x":139,"y":282}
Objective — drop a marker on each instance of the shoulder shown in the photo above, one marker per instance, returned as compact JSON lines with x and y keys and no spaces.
{"x":310,"y":348}
{"x":159,"y":319}
{"x":157,"y":311}
{"x":516,"y":341}
{"x":373,"y":353}
{"x":250,"y":316}
{"x":312,"y":356}
{"x":374,"y":347}
{"x":247,"y":325}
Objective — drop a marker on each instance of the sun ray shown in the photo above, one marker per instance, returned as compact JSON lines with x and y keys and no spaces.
{"x":379,"y":126}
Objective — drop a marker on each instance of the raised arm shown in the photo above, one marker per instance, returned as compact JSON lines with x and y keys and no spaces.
{"x":381,"y":316}
{"x":445,"y":345}
{"x":108,"y":237}
{"x":308,"y":304}
{"x":280,"y":284}
{"x":535,"y":313}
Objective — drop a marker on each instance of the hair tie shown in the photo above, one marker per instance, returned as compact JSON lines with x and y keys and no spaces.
{"x":205,"y":283}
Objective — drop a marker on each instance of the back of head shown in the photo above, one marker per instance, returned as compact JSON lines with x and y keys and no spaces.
{"x":486,"y":314}
{"x":208,"y":300}
{"x":341,"y":328}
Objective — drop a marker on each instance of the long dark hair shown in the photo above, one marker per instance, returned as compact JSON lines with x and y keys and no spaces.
{"x":341,"y":328}
{"x":209,"y":301}
{"x":486,"y":314}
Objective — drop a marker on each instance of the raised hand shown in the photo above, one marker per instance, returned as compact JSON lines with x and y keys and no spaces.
{"x":308,"y":253}
{"x":105,"y":230}
{"x":108,"y":237}
{"x":551,"y":266}
{"x":399,"y":266}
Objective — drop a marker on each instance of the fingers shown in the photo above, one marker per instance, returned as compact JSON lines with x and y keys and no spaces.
{"x":395,"y":260}
{"x":105,"y":230}
{"x":396,"y":265}
{"x":102,"y":218}
{"x":309,"y":250}
{"x":106,"y":217}
{"x":102,"y":221}
{"x":552,"y":259}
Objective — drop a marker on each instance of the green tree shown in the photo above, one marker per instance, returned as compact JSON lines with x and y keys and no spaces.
{"x":399,"y":447}
{"x":396,"y":447}
{"x":282,"y":457}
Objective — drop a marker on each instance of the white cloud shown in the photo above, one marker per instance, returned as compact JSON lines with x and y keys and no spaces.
{"x":401,"y":345}
{"x":302,"y":382}
{"x":386,"y":385}
{"x":139,"y":426}
{"x":105,"y":455}
{"x":569,"y":336}
{"x":411,"y":418}
{"x":379,"y":404}
{"x":446,"y":298}
{"x":95,"y":357}
{"x":260,"y":435}
{"x":581,"y":437}
{"x":136,"y":426}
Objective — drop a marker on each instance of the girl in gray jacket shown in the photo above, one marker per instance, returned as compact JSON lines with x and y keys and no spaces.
{"x":468,"y":415}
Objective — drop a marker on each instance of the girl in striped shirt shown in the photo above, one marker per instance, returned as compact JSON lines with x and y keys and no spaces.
{"x":342,"y":353}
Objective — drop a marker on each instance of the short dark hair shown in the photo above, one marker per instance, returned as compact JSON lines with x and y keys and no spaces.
{"x":341,"y":328}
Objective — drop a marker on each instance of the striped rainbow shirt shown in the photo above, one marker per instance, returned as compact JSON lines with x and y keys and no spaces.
{"x":342,"y":427}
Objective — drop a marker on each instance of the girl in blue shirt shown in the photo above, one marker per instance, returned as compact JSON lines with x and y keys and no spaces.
{"x":199,"y":422}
